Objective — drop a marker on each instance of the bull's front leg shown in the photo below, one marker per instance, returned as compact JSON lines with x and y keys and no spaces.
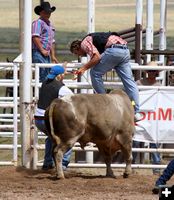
{"x":58,"y":156}
{"x":108,"y":160}
{"x":109,"y":171}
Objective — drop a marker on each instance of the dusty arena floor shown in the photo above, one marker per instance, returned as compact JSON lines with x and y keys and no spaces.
{"x":80,"y":184}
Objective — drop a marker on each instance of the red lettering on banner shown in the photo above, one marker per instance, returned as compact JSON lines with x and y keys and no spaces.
{"x":160,"y":114}
{"x":151,"y":115}
{"x":165,"y":116}
{"x":143,"y":115}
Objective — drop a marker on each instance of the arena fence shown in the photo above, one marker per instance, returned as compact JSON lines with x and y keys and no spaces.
{"x":10,"y":122}
{"x":12,"y":119}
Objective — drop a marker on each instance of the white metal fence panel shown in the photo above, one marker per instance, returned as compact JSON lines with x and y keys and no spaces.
{"x":6,"y":102}
{"x":13,"y":102}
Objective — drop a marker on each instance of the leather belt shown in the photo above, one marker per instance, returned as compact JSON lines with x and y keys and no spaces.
{"x":39,"y":117}
{"x":121,"y":46}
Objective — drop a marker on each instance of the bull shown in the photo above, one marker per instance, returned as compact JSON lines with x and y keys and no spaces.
{"x":104,"y":119}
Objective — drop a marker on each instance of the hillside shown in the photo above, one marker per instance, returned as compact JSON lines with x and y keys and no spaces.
{"x":70,"y":19}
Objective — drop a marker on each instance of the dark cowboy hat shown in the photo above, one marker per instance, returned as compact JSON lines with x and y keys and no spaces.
{"x":44,"y":6}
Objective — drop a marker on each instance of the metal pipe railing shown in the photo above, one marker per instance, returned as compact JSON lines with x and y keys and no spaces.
{"x":72,"y":84}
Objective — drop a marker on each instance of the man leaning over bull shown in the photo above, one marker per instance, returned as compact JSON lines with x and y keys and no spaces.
{"x":51,"y":88}
{"x":107,"y":51}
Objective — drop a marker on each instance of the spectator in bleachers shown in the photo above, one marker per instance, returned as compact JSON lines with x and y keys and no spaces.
{"x":170,"y":74}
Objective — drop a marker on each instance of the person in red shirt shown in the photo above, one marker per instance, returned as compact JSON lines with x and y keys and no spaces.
{"x":107,"y":51}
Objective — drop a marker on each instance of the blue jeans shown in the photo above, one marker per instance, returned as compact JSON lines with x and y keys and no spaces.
{"x":48,"y":159}
{"x":118,"y":59}
{"x":155,"y":155}
{"x":156,"y":159}
{"x":135,"y":144}
{"x":167,"y":174}
{"x":37,"y":57}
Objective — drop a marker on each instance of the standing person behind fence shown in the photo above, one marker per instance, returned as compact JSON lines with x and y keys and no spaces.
{"x":170,"y":74}
{"x":43,"y":42}
{"x":150,"y":79}
{"x":107,"y":51}
{"x":51,"y":88}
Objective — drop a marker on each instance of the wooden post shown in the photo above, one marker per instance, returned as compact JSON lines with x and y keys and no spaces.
{"x":138,"y":35}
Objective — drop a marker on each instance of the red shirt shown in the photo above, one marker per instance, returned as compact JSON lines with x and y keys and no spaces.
{"x":90,"y":49}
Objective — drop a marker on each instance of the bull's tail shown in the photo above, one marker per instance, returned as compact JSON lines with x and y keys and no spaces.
{"x":56,"y":138}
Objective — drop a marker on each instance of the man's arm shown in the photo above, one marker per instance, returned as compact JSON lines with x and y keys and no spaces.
{"x":93,"y":61}
{"x":64,"y":90}
{"x":53,"y":54}
{"x":38,"y":43}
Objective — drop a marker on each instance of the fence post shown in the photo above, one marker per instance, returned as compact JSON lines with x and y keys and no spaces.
{"x":35,"y":131}
{"x":138,"y":35}
{"x":15,"y":114}
{"x":162,"y":39}
{"x":26,"y":86}
{"x":149,"y":27}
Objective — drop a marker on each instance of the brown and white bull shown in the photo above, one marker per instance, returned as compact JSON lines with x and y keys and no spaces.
{"x":104,"y":119}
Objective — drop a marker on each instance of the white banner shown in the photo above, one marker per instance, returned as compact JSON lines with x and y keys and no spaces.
{"x":157,"y":125}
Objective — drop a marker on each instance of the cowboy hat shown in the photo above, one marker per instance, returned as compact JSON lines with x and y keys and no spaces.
{"x":152,"y":63}
{"x":44,"y":6}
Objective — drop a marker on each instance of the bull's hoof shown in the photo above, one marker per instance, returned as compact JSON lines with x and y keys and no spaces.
{"x":110,"y":176}
{"x":58,"y":177}
{"x":125,"y":175}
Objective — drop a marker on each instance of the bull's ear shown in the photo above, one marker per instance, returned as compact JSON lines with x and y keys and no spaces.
{"x":117,"y":91}
{"x":113,"y":91}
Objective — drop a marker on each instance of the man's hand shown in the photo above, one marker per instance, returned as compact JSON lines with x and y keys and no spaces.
{"x":78,"y":72}
{"x":44,"y":52}
{"x":54,"y":59}
{"x":75,"y":73}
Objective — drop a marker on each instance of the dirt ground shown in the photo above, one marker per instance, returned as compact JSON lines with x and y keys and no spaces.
{"x":80,"y":184}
